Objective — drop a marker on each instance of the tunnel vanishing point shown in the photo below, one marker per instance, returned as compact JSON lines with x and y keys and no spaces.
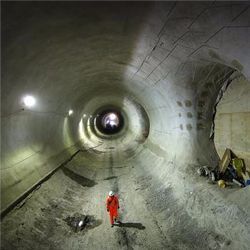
{"x":132,"y":97}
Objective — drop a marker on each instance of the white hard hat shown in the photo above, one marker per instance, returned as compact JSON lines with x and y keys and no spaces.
{"x":111,"y":193}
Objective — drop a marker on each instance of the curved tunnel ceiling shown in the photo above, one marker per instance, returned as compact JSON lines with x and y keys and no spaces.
{"x":162,"y":63}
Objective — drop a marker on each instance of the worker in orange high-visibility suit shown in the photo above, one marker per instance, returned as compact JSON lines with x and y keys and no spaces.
{"x":112,"y":204}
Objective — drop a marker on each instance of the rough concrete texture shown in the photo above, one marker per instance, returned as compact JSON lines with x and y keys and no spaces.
{"x":163,"y":64}
{"x":154,"y":216}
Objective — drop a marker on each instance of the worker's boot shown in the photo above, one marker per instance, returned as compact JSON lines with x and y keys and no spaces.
{"x":112,"y":225}
{"x":117,"y":221}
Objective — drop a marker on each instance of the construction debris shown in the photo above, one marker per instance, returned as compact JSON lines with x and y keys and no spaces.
{"x":238,"y":165}
{"x":230,"y":171}
{"x":221,"y":183}
{"x":204,"y":171}
{"x":246,"y":178}
{"x":226,"y":158}
{"x":80,"y":222}
{"x":237,"y":182}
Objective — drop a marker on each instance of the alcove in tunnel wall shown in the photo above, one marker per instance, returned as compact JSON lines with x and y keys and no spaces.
{"x":232,"y":120}
{"x":65,"y":54}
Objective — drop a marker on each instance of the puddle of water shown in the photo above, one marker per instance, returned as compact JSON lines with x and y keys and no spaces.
{"x":81,"y":222}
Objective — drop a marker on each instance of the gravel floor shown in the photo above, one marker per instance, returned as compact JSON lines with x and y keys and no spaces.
{"x":154,"y":216}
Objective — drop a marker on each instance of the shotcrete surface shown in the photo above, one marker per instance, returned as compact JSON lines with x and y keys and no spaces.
{"x":154,"y":216}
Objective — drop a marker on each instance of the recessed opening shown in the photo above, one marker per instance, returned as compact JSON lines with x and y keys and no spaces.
{"x":109,"y":121}
{"x":232,"y":120}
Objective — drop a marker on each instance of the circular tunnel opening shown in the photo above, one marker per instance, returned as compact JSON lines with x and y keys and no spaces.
{"x":109,"y":121}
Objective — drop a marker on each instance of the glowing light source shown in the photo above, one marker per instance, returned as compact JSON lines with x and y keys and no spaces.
{"x":29,"y":101}
{"x":112,"y":116}
{"x":110,"y":120}
{"x":84,"y":115}
{"x":80,"y":223}
{"x":81,"y":130}
{"x":71,"y":112}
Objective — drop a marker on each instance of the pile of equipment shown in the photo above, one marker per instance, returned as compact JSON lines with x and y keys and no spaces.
{"x":230,"y":171}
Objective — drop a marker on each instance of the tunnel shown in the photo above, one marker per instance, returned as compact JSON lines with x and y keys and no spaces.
{"x":132,"y":97}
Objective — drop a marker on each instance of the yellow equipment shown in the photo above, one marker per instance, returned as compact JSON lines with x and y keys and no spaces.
{"x":238,"y":165}
{"x":221,"y":183}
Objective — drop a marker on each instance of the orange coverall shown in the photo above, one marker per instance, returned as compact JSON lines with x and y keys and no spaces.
{"x":112,"y":204}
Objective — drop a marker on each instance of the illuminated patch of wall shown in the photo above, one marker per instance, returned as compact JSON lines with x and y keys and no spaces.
{"x":67,"y":136}
{"x":81,"y":130}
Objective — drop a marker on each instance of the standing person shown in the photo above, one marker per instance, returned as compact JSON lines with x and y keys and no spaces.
{"x":112,"y":205}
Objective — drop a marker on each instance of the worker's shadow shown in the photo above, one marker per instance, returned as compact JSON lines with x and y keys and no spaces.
{"x":131,"y":225}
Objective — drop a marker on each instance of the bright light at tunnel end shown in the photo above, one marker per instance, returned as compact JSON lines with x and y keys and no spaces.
{"x":29,"y":101}
{"x":71,"y":112}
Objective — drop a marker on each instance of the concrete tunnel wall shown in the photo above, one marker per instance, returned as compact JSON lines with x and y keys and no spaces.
{"x":166,"y":59}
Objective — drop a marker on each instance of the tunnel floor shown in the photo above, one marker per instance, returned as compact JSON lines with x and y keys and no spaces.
{"x":152,"y":217}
